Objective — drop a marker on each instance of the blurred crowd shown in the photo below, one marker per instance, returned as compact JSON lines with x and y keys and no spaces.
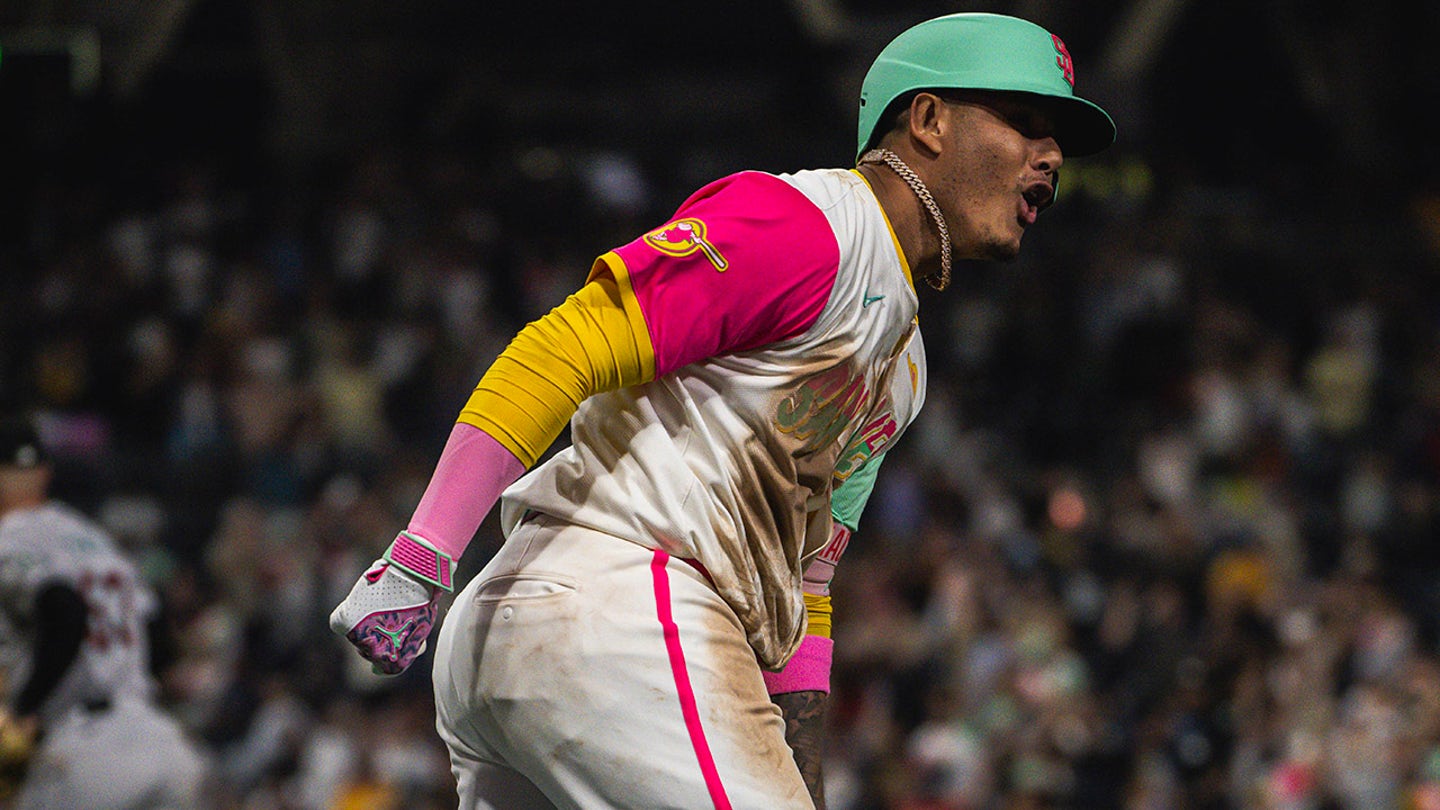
{"x":1163,"y":537}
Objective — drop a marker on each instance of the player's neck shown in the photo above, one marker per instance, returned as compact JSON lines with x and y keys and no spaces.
{"x":908,"y":217}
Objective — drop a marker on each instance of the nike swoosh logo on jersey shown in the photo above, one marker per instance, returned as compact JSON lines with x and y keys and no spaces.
{"x":869,"y":299}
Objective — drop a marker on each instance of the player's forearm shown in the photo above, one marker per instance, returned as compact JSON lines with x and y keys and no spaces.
{"x":805,"y":732}
{"x":583,"y":347}
{"x":801,"y":690}
{"x":472,"y":471}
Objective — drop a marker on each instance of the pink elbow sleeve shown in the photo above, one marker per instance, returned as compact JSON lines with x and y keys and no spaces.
{"x":472,"y":472}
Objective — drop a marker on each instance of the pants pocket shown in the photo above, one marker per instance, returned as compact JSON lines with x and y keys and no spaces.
{"x":524,"y":587}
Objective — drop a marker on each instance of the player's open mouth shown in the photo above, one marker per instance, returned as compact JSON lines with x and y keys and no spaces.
{"x":1036,"y":198}
{"x":1040,"y":195}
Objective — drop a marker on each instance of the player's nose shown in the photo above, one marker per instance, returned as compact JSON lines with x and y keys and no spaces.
{"x":1046,"y":156}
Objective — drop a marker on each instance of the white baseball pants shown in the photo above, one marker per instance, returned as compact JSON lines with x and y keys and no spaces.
{"x":607,"y":675}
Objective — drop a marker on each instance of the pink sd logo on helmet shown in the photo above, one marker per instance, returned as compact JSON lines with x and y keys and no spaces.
{"x":1065,"y":63}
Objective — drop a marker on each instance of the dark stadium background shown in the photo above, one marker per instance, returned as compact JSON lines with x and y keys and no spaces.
{"x":1165,"y":536}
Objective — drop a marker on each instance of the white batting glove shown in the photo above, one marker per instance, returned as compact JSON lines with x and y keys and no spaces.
{"x":391,"y":610}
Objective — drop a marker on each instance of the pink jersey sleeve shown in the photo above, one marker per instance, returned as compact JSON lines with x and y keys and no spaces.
{"x":746,"y":261}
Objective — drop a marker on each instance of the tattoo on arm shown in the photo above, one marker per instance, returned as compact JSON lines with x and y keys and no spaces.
{"x":805,"y":732}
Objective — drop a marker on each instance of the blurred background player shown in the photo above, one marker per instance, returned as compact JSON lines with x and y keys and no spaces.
{"x":73,"y":627}
{"x":735,"y":376}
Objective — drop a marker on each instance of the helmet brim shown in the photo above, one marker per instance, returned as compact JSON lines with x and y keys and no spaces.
{"x":1081,"y":127}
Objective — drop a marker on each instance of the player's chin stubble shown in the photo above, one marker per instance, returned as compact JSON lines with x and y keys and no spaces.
{"x":1000,"y":249}
{"x":1007,"y":252}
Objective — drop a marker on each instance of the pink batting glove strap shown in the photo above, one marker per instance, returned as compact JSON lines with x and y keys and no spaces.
{"x":472,"y":471}
{"x":807,"y":671}
{"x":415,"y":555}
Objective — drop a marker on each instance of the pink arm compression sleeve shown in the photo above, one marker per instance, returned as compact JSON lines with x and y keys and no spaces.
{"x":472,"y":472}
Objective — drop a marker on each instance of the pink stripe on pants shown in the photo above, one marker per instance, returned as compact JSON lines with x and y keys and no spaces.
{"x":682,"y":682}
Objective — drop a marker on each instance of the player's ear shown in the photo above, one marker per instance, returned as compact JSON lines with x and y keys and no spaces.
{"x":929,"y":118}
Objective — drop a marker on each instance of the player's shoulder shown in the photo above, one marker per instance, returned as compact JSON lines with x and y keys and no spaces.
{"x":812,"y":200}
{"x":18,"y":525}
{"x":828,"y":188}
{"x":52,"y":525}
{"x":750,"y":212}
{"x":49,"y":515}
{"x":836,"y":195}
{"x":752,"y":192}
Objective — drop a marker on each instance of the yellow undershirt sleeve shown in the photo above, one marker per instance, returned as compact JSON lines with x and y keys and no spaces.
{"x":818,"y":611}
{"x":585,"y":346}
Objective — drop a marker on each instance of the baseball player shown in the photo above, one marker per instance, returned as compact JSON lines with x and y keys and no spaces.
{"x":658,"y":618}
{"x":73,"y":630}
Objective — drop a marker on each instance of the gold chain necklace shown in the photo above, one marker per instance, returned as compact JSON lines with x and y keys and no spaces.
{"x":941,"y":280}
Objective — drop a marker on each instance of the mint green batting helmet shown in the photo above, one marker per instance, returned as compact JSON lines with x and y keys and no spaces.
{"x":976,"y":51}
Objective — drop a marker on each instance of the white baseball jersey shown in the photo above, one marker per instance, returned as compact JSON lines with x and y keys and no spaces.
{"x":129,"y":755}
{"x":783,"y":320}
{"x":53,"y":543}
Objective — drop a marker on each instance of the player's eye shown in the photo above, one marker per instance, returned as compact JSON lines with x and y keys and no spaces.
{"x":1029,"y":121}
